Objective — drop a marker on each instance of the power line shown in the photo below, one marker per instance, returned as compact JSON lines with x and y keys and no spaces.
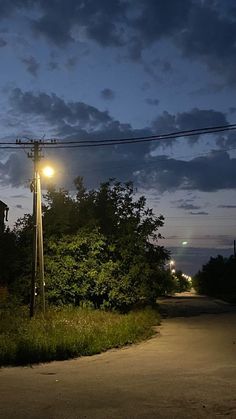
{"x":53,"y":143}
{"x":103,"y":143}
{"x":196,"y":131}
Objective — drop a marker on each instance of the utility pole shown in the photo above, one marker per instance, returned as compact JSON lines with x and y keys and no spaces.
{"x":235,"y":248}
{"x":38,"y":256}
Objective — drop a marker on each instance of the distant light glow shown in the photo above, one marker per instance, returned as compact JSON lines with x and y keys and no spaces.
{"x":184,"y":243}
{"x":48,"y":171}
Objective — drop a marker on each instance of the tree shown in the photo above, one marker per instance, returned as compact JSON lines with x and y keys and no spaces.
{"x":100,"y":246}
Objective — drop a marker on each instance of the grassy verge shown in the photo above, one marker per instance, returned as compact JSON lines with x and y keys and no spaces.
{"x":68,"y":332}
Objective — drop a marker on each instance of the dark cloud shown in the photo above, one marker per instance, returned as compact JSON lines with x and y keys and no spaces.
{"x":64,"y":115}
{"x":211,"y":173}
{"x":18,"y":206}
{"x":3,"y":43}
{"x":210,"y":36}
{"x":152,"y":102}
{"x":14,"y":171}
{"x":78,"y":120}
{"x":9,"y":7}
{"x":100,"y":20}
{"x":32,"y":65}
{"x":71,"y":62}
{"x":226,"y":206}
{"x":187,"y":206}
{"x":201,"y":30}
{"x":107,"y":94}
{"x":199,"y":213}
{"x":227,"y":141}
{"x":53,"y":65}
{"x":158,"y":19}
{"x":211,"y":88}
{"x":196,"y":118}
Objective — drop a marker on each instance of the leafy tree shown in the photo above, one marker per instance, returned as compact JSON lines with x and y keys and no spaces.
{"x":100,"y":246}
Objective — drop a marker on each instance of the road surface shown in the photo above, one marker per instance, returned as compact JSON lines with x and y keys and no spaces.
{"x":188,"y":370}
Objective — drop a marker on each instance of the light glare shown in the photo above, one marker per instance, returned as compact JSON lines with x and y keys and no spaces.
{"x":48,"y":171}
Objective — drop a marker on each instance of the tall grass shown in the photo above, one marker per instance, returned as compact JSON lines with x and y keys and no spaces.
{"x":68,"y":332}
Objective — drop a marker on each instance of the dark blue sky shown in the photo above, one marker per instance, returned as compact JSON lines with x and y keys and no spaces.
{"x":113,"y":69}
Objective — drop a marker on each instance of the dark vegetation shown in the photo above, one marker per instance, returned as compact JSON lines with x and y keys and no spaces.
{"x":217,"y":278}
{"x":100,"y":247}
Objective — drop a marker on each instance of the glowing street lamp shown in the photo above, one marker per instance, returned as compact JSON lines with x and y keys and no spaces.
{"x":48,"y":171}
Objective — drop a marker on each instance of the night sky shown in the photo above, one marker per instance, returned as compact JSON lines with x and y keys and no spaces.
{"x":86,"y":69}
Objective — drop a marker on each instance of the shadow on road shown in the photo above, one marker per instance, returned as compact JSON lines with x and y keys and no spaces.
{"x":189,"y":304}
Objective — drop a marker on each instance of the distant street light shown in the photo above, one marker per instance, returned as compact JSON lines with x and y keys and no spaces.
{"x":172,"y":266}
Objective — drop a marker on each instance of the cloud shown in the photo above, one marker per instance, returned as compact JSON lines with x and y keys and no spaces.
{"x":71,"y":62}
{"x":211,"y":173}
{"x":152,"y":102}
{"x":107,"y":94}
{"x":199,"y":118}
{"x":66,"y":116}
{"x":18,"y":206}
{"x":199,"y":213}
{"x":53,"y":65}
{"x":187,"y":206}
{"x":3,"y":43}
{"x":158,"y":19}
{"x":32,"y":65}
{"x":14,"y":171}
{"x":201,"y":30}
{"x":210,"y":36}
{"x":99,"y":21}
{"x":77,"y":120}
{"x":226,"y":206}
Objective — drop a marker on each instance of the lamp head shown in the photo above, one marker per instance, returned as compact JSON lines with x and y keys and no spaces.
{"x":48,"y":171}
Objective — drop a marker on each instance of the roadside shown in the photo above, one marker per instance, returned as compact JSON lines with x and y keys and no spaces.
{"x":187,"y":371}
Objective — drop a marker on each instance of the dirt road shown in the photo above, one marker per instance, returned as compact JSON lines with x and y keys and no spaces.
{"x":187,"y":371}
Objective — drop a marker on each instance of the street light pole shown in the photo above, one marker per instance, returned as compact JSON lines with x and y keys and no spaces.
{"x":40,"y":245}
{"x":38,"y":259}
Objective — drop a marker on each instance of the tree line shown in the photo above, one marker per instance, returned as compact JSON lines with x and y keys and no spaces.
{"x":217,"y":278}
